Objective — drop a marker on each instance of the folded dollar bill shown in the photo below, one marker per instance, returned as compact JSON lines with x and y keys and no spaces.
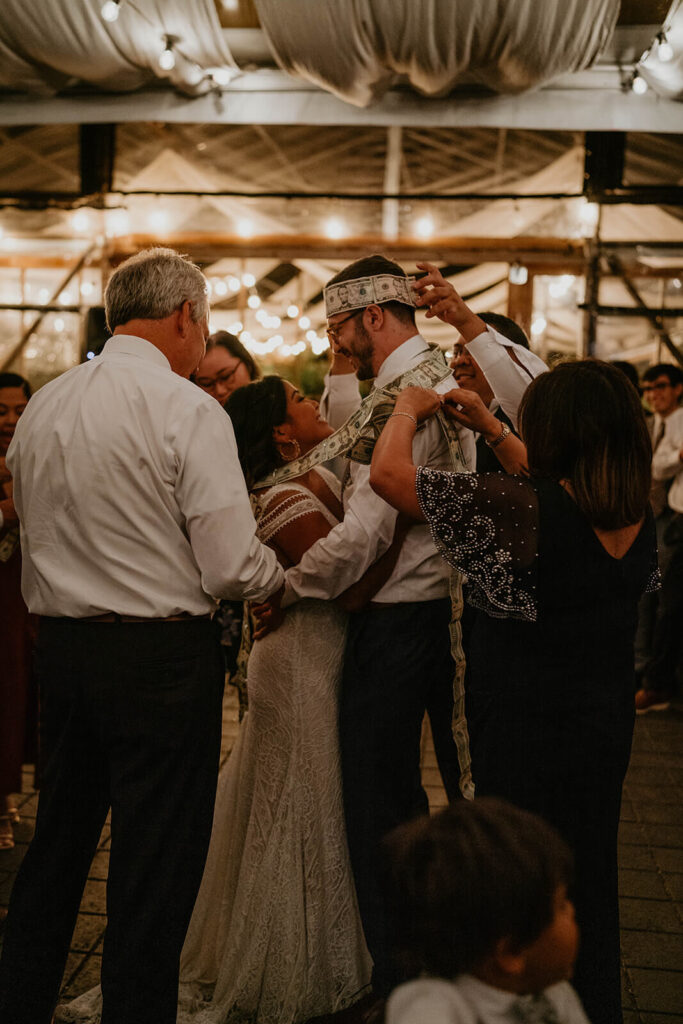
{"x":362,"y":291}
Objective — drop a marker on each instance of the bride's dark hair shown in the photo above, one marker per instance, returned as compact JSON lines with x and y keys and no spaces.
{"x":254,"y":410}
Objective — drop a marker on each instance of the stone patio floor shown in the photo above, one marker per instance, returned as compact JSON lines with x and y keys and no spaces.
{"x":650,"y":862}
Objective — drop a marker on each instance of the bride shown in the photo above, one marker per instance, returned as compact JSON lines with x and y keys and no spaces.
{"x":275,"y":936}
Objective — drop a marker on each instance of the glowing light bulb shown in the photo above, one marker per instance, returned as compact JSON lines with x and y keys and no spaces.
{"x":538,"y":324}
{"x":245,"y":228}
{"x":59,"y":325}
{"x":292,"y":311}
{"x":158,"y":219}
{"x":220,"y":287}
{"x":304,"y":322}
{"x":639,"y":85}
{"x":335,"y":228}
{"x":253,"y":302}
{"x":518,"y":274}
{"x":65,"y":298}
{"x":236,"y":327}
{"x":167,"y":56}
{"x":222,"y":76}
{"x":424,"y":227}
{"x":665,"y":51}
{"x":117,"y":222}
{"x":110,"y":10}
{"x":233,"y":283}
{"x":588,"y":215}
{"x":87,"y":288}
{"x":80,"y":220}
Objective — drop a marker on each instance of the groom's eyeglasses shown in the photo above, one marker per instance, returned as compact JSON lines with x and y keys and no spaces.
{"x":332,"y":330}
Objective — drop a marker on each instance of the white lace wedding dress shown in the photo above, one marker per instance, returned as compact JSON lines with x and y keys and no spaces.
{"x":275,"y":936}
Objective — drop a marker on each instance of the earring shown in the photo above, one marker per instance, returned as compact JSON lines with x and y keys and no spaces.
{"x":296,"y":450}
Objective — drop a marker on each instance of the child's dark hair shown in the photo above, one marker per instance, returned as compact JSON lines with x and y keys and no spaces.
{"x":475,"y":873}
{"x":254,"y":410}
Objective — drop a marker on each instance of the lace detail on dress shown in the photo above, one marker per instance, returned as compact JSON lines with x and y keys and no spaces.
{"x":486,"y":526}
{"x":291,"y":508}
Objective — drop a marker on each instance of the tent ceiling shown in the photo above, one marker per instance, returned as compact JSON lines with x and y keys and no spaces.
{"x":430,"y":63}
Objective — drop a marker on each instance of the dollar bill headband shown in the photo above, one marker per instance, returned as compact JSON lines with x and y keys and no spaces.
{"x":360,"y":292}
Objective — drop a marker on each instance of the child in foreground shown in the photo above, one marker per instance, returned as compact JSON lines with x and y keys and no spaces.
{"x":483,"y":917}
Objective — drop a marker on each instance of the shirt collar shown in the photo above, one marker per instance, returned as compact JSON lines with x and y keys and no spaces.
{"x":130,"y":345}
{"x":401,"y":359}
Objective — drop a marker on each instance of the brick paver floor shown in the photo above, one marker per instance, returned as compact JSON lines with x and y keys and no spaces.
{"x":650,"y":861}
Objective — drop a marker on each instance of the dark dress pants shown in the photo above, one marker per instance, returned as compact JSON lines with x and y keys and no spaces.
{"x":130,"y":719}
{"x":667,"y":643}
{"x":395,"y":656}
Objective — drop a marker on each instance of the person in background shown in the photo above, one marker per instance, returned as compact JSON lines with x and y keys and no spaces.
{"x":630,"y":371}
{"x":226,"y":366}
{"x":135,"y":518}
{"x":18,"y":700}
{"x":663,"y":389}
{"x":482,"y":915}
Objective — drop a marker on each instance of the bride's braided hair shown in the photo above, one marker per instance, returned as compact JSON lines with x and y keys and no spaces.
{"x":255,"y":410}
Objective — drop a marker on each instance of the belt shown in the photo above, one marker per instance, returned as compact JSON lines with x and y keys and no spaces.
{"x":115,"y":617}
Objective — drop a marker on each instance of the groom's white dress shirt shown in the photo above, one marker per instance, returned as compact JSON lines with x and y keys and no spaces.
{"x":130,"y":494}
{"x":338,"y":560}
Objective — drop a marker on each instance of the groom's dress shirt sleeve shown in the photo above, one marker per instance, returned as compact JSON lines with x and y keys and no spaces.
{"x":130,"y":494}
{"x":338,"y":560}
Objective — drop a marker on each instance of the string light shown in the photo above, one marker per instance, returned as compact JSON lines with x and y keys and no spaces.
{"x":638,"y":84}
{"x":80,"y":220}
{"x":538,"y":324}
{"x":424,"y":227}
{"x":245,"y":228}
{"x":253,"y":302}
{"x":167,"y":56}
{"x":220,"y":287}
{"x":292,"y":311}
{"x":518,"y":274}
{"x":110,"y":10}
{"x":248,"y":280}
{"x":222,"y":76}
{"x":304,"y":322}
{"x":335,"y":228}
{"x":665,"y":51}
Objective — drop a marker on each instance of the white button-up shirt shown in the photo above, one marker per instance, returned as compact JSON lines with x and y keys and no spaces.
{"x":335,"y":562}
{"x":666,"y":461}
{"x":130,"y":494}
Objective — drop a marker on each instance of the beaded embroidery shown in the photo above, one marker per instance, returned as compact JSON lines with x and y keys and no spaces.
{"x":486,"y":526}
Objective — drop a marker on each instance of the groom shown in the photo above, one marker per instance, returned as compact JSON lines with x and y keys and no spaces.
{"x":398,"y":653}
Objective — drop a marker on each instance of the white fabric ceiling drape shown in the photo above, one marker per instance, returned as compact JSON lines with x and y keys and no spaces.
{"x":357,"y":49}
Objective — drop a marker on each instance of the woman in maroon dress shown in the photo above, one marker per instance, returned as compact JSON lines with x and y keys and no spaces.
{"x":18,"y":704}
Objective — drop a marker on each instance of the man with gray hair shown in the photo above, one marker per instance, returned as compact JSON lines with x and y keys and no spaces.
{"x":135,"y":518}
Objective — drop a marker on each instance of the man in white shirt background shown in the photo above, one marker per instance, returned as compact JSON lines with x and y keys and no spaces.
{"x":663,"y":389}
{"x":135,"y":518}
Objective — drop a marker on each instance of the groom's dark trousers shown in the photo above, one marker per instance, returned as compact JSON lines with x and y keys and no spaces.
{"x":397,"y":657}
{"x":130,"y":719}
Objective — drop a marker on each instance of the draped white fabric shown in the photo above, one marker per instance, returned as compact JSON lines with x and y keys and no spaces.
{"x":359,"y":49}
{"x":47,"y":45}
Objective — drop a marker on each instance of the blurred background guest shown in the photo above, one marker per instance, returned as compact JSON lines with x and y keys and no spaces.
{"x":226,"y":366}
{"x":662,"y":388}
{"x":18,"y":701}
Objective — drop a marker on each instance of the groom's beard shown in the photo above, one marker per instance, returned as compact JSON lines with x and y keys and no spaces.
{"x":362,"y":352}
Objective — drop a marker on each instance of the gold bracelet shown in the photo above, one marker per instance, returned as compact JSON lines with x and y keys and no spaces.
{"x":409,"y":415}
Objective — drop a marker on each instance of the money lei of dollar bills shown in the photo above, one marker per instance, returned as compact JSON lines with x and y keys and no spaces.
{"x":357,"y":437}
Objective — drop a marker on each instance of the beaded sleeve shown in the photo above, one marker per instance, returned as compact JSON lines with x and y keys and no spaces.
{"x":486,"y":526}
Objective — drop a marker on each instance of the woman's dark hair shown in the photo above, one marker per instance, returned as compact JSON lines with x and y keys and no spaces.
{"x":13,"y":380}
{"x":583,"y":422}
{"x":477,"y":872}
{"x":254,"y":410}
{"x":228,"y":341}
